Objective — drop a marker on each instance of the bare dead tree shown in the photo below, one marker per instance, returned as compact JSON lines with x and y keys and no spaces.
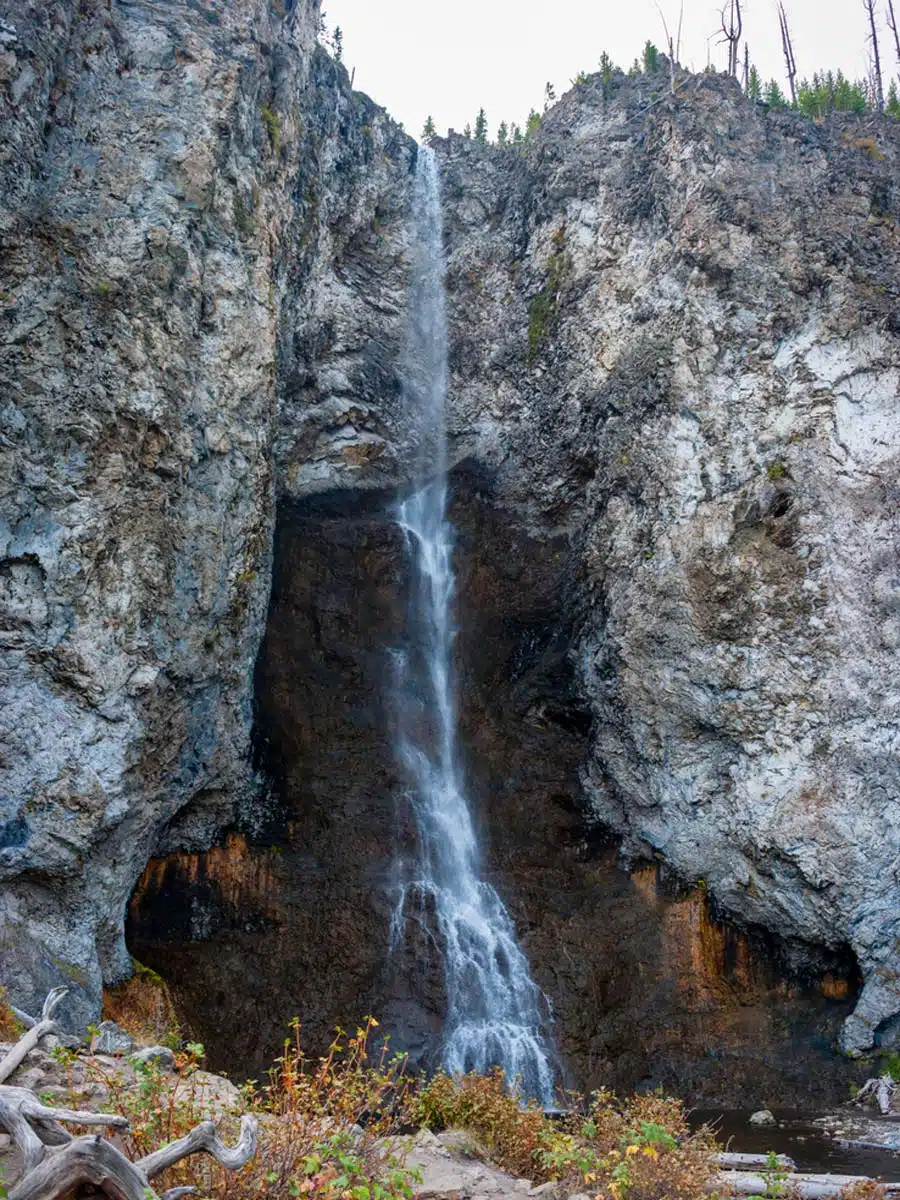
{"x":877,"y":83}
{"x":732,"y":27}
{"x":54,"y":1164}
{"x":674,"y":45}
{"x":746,"y":80}
{"x":892,"y":25}
{"x":788,"y":47}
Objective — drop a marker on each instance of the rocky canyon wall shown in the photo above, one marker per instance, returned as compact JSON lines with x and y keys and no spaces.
{"x":675,"y":423}
{"x":677,"y":341}
{"x":188,"y":191}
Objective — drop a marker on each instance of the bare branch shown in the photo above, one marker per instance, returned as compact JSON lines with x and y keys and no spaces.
{"x":55,"y":1164}
{"x":892,"y":25}
{"x":806,"y":1186}
{"x":732,"y":27}
{"x":788,"y":47}
{"x":203,"y":1138}
{"x":22,"y":1017}
{"x":671,"y":48}
{"x":32,"y":1036}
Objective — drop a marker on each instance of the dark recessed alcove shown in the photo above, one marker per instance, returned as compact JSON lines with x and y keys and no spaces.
{"x":290,"y":915}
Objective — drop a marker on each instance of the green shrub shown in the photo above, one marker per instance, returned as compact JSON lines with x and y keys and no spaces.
{"x":272,"y":122}
{"x":544,"y":307}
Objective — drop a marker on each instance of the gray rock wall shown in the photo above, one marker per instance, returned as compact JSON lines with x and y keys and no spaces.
{"x":185,"y":188}
{"x":677,"y":340}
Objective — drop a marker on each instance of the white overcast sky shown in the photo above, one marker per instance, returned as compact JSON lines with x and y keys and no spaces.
{"x":449,"y":57}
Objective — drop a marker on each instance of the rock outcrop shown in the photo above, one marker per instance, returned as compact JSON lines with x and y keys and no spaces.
{"x":677,"y":340}
{"x":188,"y":192}
{"x":676,"y":357}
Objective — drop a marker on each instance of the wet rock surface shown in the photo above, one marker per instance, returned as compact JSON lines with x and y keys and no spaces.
{"x":648,"y":989}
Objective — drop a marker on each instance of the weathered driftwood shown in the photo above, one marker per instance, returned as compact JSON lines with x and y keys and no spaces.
{"x":880,"y":1090}
{"x":810,"y":1187}
{"x":33,"y":1034}
{"x":746,"y":1162}
{"x":22,"y":1017}
{"x":203,"y":1138}
{"x":55,"y":1163}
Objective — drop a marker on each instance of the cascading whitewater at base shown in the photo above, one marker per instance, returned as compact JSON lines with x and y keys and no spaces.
{"x":496,"y":1014}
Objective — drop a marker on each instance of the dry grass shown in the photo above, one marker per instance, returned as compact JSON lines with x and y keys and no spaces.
{"x":311,"y":1142}
{"x":143,"y":1007}
{"x":640,"y":1148}
{"x":321,"y":1121}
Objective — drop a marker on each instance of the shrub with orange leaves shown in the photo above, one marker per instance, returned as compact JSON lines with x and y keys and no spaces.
{"x":10,"y":1028}
{"x":637,"y":1149}
{"x":312,"y":1142}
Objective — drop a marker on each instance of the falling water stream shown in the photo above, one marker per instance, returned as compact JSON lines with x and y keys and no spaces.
{"x":496,"y":1014}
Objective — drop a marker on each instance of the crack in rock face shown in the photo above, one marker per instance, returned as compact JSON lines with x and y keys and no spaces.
{"x":675,"y":358}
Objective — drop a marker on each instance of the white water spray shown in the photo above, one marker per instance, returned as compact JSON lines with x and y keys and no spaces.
{"x":495,"y":1011}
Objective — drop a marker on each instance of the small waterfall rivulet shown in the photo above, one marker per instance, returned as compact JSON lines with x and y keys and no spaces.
{"x":495,"y":1011}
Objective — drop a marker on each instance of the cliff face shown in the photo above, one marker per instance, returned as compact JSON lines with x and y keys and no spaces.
{"x":677,"y":341}
{"x":186,"y":190}
{"x":676,"y":360}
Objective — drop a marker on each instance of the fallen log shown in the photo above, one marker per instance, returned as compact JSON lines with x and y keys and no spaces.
{"x":881,"y":1090}
{"x":746,"y":1162}
{"x":32,"y":1035}
{"x":810,"y":1187}
{"x":55,"y":1164}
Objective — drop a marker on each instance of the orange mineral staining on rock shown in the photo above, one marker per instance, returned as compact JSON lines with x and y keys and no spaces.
{"x":244,"y":877}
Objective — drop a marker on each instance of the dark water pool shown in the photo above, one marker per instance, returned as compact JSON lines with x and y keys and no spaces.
{"x":797,"y":1135}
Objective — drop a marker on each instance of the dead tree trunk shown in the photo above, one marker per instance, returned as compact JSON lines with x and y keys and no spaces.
{"x":892,"y":25}
{"x":55,"y":1163}
{"x":732,"y":28}
{"x":788,"y":47}
{"x":877,"y":82}
{"x":881,"y":1090}
{"x":35,"y":1031}
{"x":673,"y":45}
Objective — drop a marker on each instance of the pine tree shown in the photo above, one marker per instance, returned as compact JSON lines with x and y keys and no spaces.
{"x":481,"y":127}
{"x":773,"y":95}
{"x":428,"y":129}
{"x":337,"y":43}
{"x":651,"y":58}
{"x":503,"y":134}
{"x":635,"y":69}
{"x":607,"y":69}
{"x":533,"y":124}
{"x":754,"y":85}
{"x":467,"y":132}
{"x":892,"y":108}
{"x":549,"y":95}
{"x":831,"y":92}
{"x":515,"y":135}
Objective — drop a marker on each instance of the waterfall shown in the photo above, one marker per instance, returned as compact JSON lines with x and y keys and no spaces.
{"x":495,"y":1011}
